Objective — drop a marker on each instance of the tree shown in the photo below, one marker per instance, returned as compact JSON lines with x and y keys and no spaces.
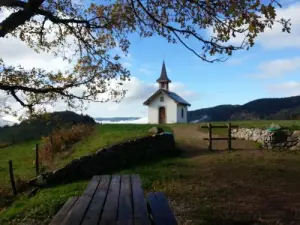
{"x":86,"y":34}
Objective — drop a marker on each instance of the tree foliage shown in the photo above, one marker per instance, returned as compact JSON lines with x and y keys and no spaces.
{"x":86,"y":33}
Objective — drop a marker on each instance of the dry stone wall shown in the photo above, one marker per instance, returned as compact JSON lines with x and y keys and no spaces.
{"x":107,"y":160}
{"x":279,"y":140}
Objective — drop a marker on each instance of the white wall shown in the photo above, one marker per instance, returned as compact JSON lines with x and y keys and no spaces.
{"x":170,"y":106}
{"x":179,"y":117}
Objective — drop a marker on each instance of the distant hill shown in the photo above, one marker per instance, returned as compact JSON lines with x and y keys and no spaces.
{"x":36,"y":127}
{"x":266,"y":108}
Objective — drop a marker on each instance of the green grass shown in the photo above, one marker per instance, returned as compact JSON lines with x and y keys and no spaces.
{"x":106,"y":135}
{"x":23,"y":154}
{"x":239,"y":187}
{"x":40,"y":208}
{"x":291,"y":124}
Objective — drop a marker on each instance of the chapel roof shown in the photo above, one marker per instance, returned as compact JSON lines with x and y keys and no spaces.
{"x":163,"y":75}
{"x":172,"y":95}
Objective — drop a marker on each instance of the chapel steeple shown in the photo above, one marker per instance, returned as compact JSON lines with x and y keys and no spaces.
{"x":163,"y":80}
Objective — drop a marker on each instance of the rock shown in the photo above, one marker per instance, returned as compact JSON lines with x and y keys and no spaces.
{"x":289,"y":144}
{"x":42,"y":179}
{"x":296,"y":134}
{"x":294,"y":148}
{"x":156,"y":130}
{"x":276,"y":126}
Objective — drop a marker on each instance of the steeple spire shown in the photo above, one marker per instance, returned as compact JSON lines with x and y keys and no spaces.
{"x":163,"y":80}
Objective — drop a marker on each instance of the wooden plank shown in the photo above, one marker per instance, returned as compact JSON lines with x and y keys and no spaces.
{"x":155,"y":209}
{"x":37,"y":170}
{"x":63,"y":211}
{"x":166,"y":210}
{"x":160,"y":210}
{"x":229,"y":136}
{"x":12,"y":178}
{"x":125,"y":212}
{"x":219,"y":126}
{"x":209,"y":137}
{"x":110,"y":211}
{"x":140,"y":212}
{"x":91,"y":188}
{"x":219,"y":139}
{"x":95,"y":209}
{"x":76,"y":214}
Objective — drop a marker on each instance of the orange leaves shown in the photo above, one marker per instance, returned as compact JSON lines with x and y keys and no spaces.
{"x":61,"y":140}
{"x":268,"y":11}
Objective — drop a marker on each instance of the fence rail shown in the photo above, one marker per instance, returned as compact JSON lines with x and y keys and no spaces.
{"x":210,"y":138}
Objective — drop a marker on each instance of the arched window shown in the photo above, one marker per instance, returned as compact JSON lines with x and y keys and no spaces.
{"x":182,"y":112}
{"x":162,"y":99}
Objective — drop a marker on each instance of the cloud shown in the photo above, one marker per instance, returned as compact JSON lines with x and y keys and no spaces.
{"x":290,"y":88}
{"x":132,"y":104}
{"x":274,"y":38}
{"x":145,"y":71}
{"x":15,"y":52}
{"x":278,"y":68}
{"x":181,"y":90}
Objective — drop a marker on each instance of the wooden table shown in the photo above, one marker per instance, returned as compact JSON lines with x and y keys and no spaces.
{"x":115,"y":199}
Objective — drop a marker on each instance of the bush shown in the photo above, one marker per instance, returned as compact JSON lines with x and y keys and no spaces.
{"x":61,"y":140}
{"x":4,"y":145}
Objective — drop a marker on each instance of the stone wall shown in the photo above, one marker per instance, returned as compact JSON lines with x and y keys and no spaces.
{"x":279,"y":140}
{"x":115,"y":157}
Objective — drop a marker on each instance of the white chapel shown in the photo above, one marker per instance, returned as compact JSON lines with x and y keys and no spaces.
{"x":165,"y":106}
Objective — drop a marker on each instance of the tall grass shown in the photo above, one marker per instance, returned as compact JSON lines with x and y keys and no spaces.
{"x":61,"y":141}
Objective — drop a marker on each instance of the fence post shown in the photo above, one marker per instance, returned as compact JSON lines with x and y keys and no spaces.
{"x":12,"y":179}
{"x":229,"y":136}
{"x":37,"y":159}
{"x":209,"y":137}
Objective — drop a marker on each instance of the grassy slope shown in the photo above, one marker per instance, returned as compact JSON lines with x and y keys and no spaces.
{"x":47,"y":201}
{"x":23,"y":155}
{"x":232,"y":187}
{"x":292,"y":124}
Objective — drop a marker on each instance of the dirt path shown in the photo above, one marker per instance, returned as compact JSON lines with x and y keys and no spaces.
{"x":190,"y":135}
{"x":245,"y":187}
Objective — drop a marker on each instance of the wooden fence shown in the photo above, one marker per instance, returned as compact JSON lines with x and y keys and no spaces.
{"x":11,"y":171}
{"x":210,"y":138}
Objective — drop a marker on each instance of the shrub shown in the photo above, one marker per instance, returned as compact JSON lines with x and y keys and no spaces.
{"x":61,"y":140}
{"x":4,"y":145}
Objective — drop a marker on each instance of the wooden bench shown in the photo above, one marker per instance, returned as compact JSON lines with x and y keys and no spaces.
{"x":115,"y":200}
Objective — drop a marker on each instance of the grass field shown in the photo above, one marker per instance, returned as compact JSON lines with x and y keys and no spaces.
{"x":263,"y":124}
{"x":230,"y":188}
{"x":23,"y":154}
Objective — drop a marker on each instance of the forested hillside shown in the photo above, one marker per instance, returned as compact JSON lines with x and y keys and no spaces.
{"x":36,"y":127}
{"x":267,"y":108}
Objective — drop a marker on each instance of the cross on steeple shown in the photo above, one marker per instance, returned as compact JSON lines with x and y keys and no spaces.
{"x":163,"y":80}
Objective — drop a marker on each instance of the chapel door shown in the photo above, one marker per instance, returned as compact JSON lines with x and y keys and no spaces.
{"x":162,"y":115}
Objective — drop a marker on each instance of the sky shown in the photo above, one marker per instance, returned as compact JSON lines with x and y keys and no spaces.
{"x":270,"y":69}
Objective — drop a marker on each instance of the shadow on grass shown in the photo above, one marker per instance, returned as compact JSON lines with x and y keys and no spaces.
{"x":190,"y":150}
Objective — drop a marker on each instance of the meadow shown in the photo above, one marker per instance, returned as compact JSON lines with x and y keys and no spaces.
{"x":238,"y":187}
{"x":23,"y":155}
